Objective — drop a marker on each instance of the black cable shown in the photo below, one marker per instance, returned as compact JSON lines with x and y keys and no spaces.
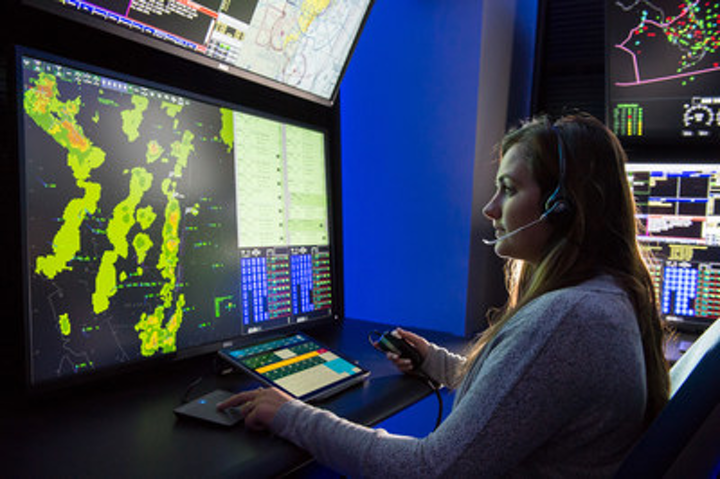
{"x":421,"y":376}
{"x":219,"y":368}
{"x":436,"y":389}
{"x":189,"y":390}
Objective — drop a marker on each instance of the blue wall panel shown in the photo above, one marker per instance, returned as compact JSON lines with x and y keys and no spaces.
{"x":408,"y":110}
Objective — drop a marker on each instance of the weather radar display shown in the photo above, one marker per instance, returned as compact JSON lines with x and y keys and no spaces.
{"x":664,"y":69}
{"x":156,"y":222}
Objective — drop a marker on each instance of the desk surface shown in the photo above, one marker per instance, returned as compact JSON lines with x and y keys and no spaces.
{"x":127,"y":428}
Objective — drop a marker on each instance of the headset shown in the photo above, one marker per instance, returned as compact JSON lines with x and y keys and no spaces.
{"x":558,"y":207}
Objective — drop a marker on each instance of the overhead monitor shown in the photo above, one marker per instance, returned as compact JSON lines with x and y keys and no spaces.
{"x":158,"y":223}
{"x":663,"y":71}
{"x":679,"y":208}
{"x":300,"y":47}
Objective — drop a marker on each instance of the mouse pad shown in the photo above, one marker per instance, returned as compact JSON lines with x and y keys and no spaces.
{"x":205,"y":408}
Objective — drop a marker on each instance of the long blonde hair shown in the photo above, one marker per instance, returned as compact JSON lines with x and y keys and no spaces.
{"x":599,"y":236}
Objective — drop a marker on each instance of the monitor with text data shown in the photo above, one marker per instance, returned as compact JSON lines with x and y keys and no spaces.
{"x":679,"y":209}
{"x":300,"y":47}
{"x":663,"y":71}
{"x":158,"y":223}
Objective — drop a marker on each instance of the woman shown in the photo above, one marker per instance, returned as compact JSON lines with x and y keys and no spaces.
{"x":571,"y":370}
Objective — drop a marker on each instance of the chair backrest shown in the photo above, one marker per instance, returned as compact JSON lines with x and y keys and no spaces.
{"x":695,"y":392}
{"x":687,"y":362}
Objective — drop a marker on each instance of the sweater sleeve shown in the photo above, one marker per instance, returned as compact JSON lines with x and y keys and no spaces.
{"x":534,"y":384}
{"x":443,"y":366}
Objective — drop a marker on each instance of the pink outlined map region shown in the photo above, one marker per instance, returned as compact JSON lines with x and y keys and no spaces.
{"x":667,"y":40}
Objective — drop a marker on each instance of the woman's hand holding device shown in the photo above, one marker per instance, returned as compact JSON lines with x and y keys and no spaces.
{"x":405,"y":349}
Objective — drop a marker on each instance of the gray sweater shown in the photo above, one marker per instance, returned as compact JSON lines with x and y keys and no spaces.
{"x":560,"y":392}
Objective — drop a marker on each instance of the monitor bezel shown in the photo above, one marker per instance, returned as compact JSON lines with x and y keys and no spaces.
{"x":54,"y":8}
{"x":157,"y":361}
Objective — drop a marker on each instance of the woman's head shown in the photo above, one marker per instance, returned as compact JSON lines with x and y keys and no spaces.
{"x":577,"y":165}
{"x":516,"y":209}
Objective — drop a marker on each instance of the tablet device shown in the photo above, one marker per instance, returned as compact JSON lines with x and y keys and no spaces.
{"x":298,"y":365}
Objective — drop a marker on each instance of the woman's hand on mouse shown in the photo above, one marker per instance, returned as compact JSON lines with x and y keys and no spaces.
{"x":258,"y":406}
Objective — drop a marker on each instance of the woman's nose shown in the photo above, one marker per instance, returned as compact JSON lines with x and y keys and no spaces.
{"x":491,"y":210}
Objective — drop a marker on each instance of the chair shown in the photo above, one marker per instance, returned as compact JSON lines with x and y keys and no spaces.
{"x":683,"y":436}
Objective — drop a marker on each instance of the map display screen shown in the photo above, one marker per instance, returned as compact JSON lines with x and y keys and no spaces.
{"x":156,"y":222}
{"x":299,"y":46}
{"x":663,"y":70}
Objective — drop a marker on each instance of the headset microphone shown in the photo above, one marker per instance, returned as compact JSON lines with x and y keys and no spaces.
{"x":515,"y":231}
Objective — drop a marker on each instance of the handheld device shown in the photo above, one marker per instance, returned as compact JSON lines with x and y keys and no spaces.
{"x":392,"y":343}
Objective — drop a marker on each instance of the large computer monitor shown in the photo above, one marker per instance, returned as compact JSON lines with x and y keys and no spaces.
{"x":679,"y":208}
{"x":300,"y":47}
{"x":663,"y":71}
{"x":158,"y":223}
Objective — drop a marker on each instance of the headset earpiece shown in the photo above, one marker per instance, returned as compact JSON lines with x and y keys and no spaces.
{"x":558,"y":206}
